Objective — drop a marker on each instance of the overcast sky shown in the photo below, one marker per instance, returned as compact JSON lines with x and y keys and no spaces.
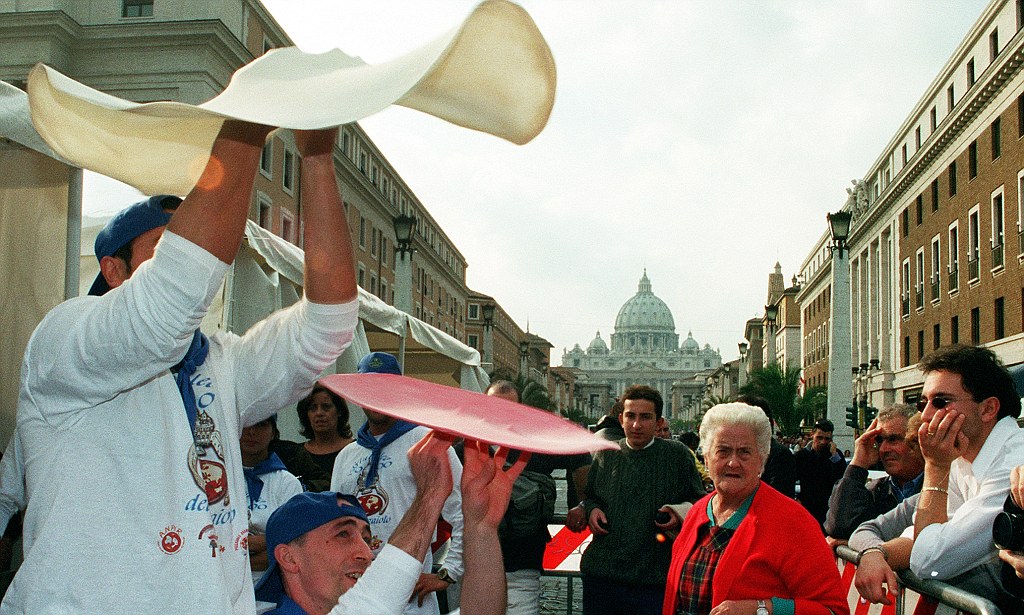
{"x":702,"y":140}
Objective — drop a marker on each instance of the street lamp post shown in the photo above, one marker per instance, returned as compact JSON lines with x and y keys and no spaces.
{"x":405,"y":226}
{"x":488,"y":314}
{"x":743,"y":364}
{"x":524,"y":355}
{"x":840,"y":361}
{"x":771,"y":312}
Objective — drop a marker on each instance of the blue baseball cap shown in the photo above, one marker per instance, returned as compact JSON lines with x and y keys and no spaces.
{"x":302,"y":513}
{"x":128,"y":224}
{"x":379,"y":363}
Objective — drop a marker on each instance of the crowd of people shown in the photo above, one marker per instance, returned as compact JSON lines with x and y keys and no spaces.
{"x":152,"y":477}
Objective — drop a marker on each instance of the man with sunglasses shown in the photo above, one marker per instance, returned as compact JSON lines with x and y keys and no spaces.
{"x":970,"y":442}
{"x":887,"y":441}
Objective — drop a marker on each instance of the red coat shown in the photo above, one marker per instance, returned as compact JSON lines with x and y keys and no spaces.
{"x":778,"y":551}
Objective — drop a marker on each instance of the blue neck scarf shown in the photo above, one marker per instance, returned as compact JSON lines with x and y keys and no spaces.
{"x":183,"y":372}
{"x":367,"y":440}
{"x":253,"y":482}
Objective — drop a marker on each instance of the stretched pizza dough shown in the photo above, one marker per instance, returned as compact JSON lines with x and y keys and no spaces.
{"x":494,"y":73}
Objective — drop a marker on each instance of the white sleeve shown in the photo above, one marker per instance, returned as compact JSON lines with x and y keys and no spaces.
{"x":385,"y":587}
{"x":277,"y":361}
{"x":944,"y":550}
{"x":12,"y":482}
{"x":452,"y":513}
{"x":88,"y":350}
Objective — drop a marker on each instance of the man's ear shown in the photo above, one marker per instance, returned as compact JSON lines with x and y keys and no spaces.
{"x":285,"y":558}
{"x":114,"y":270}
{"x":990,"y":409}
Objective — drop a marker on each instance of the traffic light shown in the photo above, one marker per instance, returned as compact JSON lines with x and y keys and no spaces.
{"x":870,"y":412}
{"x":852,"y":418}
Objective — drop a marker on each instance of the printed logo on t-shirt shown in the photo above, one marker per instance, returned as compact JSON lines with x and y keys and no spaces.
{"x":206,"y":460}
{"x":209,"y":535}
{"x":170,"y":540}
{"x":373,"y":498}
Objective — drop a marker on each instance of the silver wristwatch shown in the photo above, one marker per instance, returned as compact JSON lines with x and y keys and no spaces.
{"x":762,"y":609}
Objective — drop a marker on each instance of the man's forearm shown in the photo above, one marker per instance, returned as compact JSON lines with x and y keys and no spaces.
{"x":213,"y":215}
{"x":416,"y":530}
{"x":483,"y":585}
{"x":329,"y":267}
{"x":931,"y":508}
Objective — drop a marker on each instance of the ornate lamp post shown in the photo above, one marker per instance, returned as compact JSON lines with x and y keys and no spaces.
{"x":488,"y":313}
{"x":840,"y":361}
{"x":743,"y":364}
{"x":771,"y":312}
{"x":405,"y":226}
{"x":524,"y":355}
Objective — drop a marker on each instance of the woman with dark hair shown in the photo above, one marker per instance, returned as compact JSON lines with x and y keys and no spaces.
{"x":324,"y":418}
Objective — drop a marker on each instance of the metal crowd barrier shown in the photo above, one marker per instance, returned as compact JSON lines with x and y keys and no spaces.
{"x":914,"y":590}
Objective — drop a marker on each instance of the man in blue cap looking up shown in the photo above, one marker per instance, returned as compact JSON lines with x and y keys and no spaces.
{"x":320,"y":542}
{"x":129,"y":417}
{"x":378,"y":474}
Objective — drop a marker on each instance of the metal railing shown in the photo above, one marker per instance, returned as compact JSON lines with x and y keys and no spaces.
{"x":997,"y":256}
{"x":973,"y":269}
{"x":954,"y":278}
{"x":935,"y":288}
{"x":905,"y":305}
{"x":943,"y":593}
{"x":919,"y":297}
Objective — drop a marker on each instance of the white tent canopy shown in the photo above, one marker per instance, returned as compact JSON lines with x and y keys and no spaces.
{"x":267,"y":276}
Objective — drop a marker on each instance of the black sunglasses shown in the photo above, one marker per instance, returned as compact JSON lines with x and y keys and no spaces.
{"x":938,"y":402}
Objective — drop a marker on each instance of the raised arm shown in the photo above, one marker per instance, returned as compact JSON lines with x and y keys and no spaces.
{"x":213,"y":214}
{"x":486,"y":489}
{"x":428,"y":460}
{"x":330,"y":269}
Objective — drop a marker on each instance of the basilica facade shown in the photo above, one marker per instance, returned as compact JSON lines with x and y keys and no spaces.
{"x":645,"y":349}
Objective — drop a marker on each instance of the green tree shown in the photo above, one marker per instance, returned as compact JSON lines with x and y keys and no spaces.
{"x":711,"y":400}
{"x":813,"y":404}
{"x":531,"y":392}
{"x":778,"y":386}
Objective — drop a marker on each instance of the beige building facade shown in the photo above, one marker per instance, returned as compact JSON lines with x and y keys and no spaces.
{"x":935,"y":246}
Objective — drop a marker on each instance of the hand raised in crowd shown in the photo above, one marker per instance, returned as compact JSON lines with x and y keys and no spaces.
{"x":941,"y":437}
{"x":875,"y":580}
{"x":865,"y":449}
{"x":487,"y":484}
{"x":486,"y":489}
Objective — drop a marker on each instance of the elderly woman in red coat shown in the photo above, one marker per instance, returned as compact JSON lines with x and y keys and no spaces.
{"x":746,"y":549}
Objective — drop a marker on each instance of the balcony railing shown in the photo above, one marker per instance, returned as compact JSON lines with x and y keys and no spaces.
{"x":1020,"y":240}
{"x":905,"y":303}
{"x":935,"y":288}
{"x":973,"y":269}
{"x":919,"y":298}
{"x":997,"y":256}
{"x":954,"y":278}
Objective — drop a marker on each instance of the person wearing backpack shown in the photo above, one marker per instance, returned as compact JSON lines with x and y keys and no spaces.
{"x":523,"y":533}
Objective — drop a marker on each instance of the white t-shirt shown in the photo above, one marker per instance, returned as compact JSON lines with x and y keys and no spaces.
{"x":393,"y":495}
{"x":127,"y":512}
{"x":278,"y":487}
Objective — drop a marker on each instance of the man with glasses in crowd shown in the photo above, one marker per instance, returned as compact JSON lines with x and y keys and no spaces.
{"x":889,"y":442}
{"x":970,"y":441}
